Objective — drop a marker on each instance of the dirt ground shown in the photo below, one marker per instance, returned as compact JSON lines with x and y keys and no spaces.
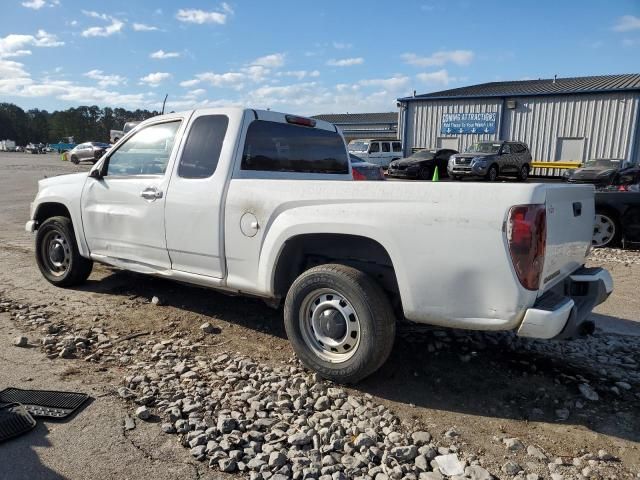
{"x":487,"y":387}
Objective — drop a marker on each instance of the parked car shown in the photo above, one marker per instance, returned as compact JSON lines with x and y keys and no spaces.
{"x":262,"y":203}
{"x":128,"y":127}
{"x":597,"y":171}
{"x":35,"y":148}
{"x":91,"y":151}
{"x":618,"y":210}
{"x":490,"y":160}
{"x":422,"y":164}
{"x":115,"y":135}
{"x":377,"y":151}
{"x":362,"y":170}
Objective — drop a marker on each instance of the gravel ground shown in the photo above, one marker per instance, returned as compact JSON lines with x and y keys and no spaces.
{"x":197,"y":379}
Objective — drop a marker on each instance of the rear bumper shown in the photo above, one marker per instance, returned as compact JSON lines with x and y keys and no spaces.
{"x":563,"y":312}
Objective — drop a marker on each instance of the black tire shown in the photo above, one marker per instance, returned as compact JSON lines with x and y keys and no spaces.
{"x":74,"y":269}
{"x":523,"y":173}
{"x":425,"y":173}
{"x":374,"y":315}
{"x":612,"y":226}
{"x":74,"y":159}
{"x":492,"y":174}
{"x":456,"y":178}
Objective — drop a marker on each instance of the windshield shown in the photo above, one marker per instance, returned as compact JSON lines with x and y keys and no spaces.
{"x":355,"y":159}
{"x":602,"y":163}
{"x":423,"y":154}
{"x":358,"y":146}
{"x":484,"y":147}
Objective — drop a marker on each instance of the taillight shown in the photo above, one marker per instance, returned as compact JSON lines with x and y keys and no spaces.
{"x":527,"y":238}
{"x":357,"y":175}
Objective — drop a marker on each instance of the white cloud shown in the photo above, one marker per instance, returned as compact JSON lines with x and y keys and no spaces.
{"x":155,"y":79}
{"x":342,"y":45}
{"x":190,"y":83}
{"x":299,"y":74}
{"x":230,"y":79}
{"x":392,"y":83}
{"x":345,"y":62}
{"x":114,"y":27}
{"x":34,"y":4}
{"x":161,"y":55}
{"x":440,"y":77}
{"x":459,"y":57}
{"x":14,"y":45}
{"x":194,"y":15}
{"x":143,"y":27}
{"x":626,"y":23}
{"x":105,"y":80}
{"x":274,"y":60}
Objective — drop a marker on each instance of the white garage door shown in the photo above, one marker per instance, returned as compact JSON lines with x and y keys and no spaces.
{"x":570,"y":150}
{"x":448,"y":142}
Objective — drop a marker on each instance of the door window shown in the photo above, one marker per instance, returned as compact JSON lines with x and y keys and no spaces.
{"x":202,"y":149}
{"x":375,"y":147}
{"x":386,"y":147}
{"x":147,"y":152}
{"x":397,"y":147}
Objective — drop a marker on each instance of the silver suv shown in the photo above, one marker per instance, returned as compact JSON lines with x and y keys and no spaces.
{"x":491,"y":160}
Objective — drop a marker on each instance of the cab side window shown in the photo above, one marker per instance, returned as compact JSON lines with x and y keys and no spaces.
{"x":202,"y":150}
{"x":147,"y":152}
{"x":397,"y":146}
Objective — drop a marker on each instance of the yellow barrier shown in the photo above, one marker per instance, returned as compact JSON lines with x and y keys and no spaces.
{"x":570,"y":165}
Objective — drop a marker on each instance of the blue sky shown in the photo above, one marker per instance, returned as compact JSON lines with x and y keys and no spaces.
{"x":298,"y":56}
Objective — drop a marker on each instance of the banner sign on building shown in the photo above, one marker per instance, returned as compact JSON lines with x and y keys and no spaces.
{"x":478,"y":123}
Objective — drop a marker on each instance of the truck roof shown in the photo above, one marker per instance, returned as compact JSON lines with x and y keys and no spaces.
{"x":268,"y":115}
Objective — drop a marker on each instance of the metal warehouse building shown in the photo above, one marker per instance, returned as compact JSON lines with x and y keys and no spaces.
{"x":561,"y":119}
{"x":364,"y":125}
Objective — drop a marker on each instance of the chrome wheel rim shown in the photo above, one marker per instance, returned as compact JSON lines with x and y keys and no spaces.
{"x":603,"y":231}
{"x":329,"y":325}
{"x":56,"y":253}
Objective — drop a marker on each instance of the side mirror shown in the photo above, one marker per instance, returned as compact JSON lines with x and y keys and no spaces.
{"x":96,"y":173}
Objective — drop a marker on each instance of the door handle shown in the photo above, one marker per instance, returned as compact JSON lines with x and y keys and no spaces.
{"x":151,"y":194}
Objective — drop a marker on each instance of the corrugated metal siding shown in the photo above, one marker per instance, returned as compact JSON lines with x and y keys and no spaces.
{"x":605,"y":121}
{"x":424,"y":121}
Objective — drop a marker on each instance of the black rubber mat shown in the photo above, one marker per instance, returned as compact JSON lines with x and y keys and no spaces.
{"x":45,"y":403}
{"x":14,"y":420}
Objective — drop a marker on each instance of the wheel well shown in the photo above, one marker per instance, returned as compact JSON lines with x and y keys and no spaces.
{"x":48,"y":210}
{"x":303,"y":252}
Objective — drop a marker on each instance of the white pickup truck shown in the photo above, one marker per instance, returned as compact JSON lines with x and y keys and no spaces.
{"x":261,"y":203}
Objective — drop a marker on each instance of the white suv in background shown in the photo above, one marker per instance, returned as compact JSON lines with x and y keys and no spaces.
{"x":378,"y":151}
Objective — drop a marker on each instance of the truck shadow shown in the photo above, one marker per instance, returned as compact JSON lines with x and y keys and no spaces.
{"x":493,"y":374}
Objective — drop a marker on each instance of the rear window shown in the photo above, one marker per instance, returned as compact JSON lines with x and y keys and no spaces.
{"x":280,"y":147}
{"x":397,"y":147}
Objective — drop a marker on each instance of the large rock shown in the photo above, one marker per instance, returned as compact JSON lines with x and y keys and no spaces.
{"x":449,"y":464}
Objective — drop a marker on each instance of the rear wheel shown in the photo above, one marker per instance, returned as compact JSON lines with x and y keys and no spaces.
{"x":425,"y":173}
{"x":492,"y":174}
{"x":74,"y":159}
{"x":606,"y":231}
{"x":339,"y":322}
{"x":523,"y":174}
{"x":57,"y":253}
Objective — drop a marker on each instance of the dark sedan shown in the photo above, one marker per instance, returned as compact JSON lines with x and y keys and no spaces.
{"x":618,"y":211}
{"x":91,"y":151}
{"x":362,"y":170}
{"x":421,"y":164}
{"x":598,"y":171}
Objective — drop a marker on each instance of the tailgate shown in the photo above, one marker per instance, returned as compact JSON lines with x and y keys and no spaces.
{"x":570,"y":218}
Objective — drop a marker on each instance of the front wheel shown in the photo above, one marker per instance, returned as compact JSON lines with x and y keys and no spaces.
{"x":74,"y":159}
{"x":425,"y":173}
{"x":57,"y":253}
{"x":339,"y":322}
{"x":492,"y":174}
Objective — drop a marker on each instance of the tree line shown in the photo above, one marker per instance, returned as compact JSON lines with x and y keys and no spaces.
{"x":85,"y":123}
